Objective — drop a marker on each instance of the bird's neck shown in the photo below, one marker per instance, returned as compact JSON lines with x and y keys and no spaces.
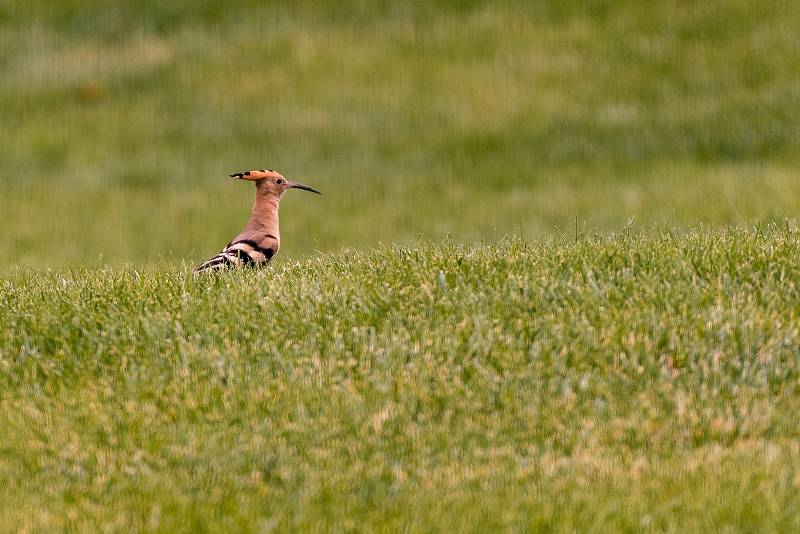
{"x":264,"y":217}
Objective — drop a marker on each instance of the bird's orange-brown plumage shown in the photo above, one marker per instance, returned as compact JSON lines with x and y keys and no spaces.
{"x":260,"y":239}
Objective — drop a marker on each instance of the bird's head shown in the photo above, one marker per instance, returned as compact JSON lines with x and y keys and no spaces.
{"x":273,"y":183}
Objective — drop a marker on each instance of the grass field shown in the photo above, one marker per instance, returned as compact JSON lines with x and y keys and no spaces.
{"x":552,"y":283}
{"x":121,"y":121}
{"x":614,"y":383}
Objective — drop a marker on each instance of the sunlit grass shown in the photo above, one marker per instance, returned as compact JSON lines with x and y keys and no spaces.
{"x":614,"y":383}
{"x":616,"y":350}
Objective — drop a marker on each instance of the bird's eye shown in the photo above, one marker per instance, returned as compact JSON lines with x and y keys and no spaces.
{"x":279,"y":181}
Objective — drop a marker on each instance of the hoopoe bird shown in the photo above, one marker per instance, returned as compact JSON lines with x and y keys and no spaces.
{"x":258,"y":243}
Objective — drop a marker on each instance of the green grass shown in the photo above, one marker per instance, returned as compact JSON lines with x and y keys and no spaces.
{"x":622,"y":382}
{"x":552,"y":283}
{"x":122,"y":120}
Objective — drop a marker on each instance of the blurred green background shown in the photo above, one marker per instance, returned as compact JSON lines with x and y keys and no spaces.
{"x":121,"y":120}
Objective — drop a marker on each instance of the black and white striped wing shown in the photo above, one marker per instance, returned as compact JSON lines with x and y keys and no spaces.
{"x":244,"y":253}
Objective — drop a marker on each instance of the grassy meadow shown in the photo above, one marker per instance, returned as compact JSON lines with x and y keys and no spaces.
{"x":121,"y":120}
{"x":617,"y":383}
{"x":552,"y":283}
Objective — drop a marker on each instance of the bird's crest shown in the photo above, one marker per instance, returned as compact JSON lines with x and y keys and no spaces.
{"x":259,"y":174}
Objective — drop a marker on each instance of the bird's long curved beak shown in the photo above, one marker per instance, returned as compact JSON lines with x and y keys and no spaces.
{"x":296,"y":185}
